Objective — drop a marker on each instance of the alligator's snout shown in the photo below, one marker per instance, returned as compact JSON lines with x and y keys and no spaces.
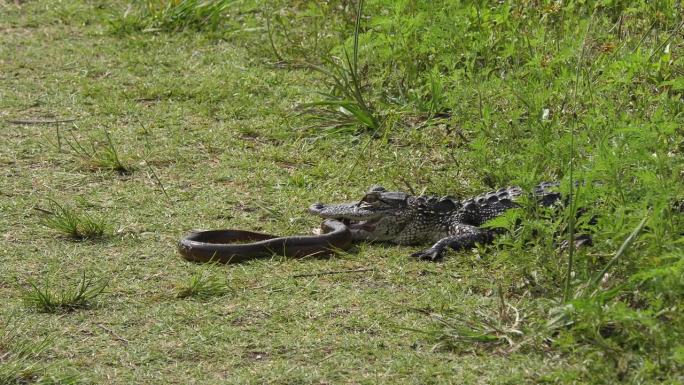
{"x":316,"y":208}
{"x":338,"y":211}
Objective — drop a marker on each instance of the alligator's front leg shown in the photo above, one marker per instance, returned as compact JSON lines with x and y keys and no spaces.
{"x":463,"y":237}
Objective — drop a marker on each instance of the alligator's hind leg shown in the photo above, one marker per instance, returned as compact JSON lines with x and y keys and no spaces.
{"x":464,"y":236}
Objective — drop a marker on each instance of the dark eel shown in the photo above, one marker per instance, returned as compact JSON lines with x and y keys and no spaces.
{"x":228,"y":246}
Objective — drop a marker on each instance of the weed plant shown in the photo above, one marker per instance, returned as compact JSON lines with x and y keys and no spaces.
{"x":345,"y":104}
{"x":74,"y":224}
{"x":16,"y":355}
{"x":102,"y":154}
{"x":43,"y":297}
{"x":20,"y":358}
{"x":204,"y":284}
{"x":14,"y":348}
{"x":294,"y":46}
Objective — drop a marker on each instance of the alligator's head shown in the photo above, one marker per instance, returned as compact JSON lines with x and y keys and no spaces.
{"x":379,"y":216}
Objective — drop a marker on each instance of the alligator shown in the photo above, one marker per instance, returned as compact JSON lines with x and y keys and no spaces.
{"x":404,"y":219}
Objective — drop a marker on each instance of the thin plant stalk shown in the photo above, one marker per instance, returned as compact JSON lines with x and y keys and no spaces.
{"x":571,"y":197}
{"x":628,"y":241}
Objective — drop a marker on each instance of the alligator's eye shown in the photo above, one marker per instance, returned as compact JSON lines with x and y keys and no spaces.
{"x":370,"y":198}
{"x":376,"y":188}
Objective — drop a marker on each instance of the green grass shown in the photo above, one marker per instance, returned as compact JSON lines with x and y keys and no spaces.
{"x":173,"y":15}
{"x":203,"y":284}
{"x":162,"y":117}
{"x":20,"y":358}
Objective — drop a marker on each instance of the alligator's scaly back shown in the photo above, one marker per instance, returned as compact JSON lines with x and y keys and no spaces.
{"x":482,"y":208}
{"x":494,"y":203}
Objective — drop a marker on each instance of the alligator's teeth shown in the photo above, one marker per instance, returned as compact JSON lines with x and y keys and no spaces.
{"x":363,"y":225}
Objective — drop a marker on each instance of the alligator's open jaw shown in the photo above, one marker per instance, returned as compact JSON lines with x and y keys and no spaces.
{"x":355,"y":217}
{"x":368,"y":226}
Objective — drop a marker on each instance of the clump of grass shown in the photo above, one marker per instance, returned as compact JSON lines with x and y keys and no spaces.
{"x":18,"y":358}
{"x":46,"y":299}
{"x":11,"y":344}
{"x":22,"y":372}
{"x":203,"y":284}
{"x":503,"y":330}
{"x":477,"y":329}
{"x":17,"y":372}
{"x":294,"y":31}
{"x":345,"y":104}
{"x":174,"y":15}
{"x":16,"y":366}
{"x":102,"y":154}
{"x":74,"y":224}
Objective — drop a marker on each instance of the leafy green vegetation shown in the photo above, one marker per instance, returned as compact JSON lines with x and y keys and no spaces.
{"x":240,"y":114}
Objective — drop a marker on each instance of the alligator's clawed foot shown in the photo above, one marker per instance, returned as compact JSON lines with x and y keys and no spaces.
{"x":432,"y":255}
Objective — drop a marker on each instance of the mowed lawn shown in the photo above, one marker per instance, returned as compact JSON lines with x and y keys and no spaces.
{"x":146,"y":132}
